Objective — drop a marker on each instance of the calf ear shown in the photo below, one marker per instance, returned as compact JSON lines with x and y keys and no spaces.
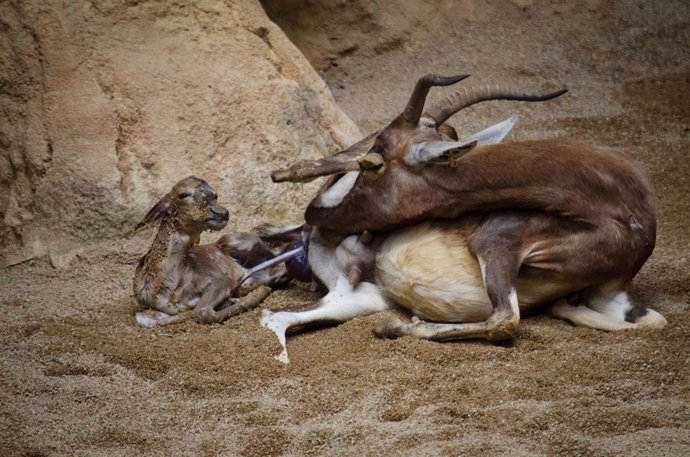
{"x":160,"y":210}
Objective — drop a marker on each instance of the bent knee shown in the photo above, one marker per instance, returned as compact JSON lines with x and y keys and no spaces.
{"x":206,"y":316}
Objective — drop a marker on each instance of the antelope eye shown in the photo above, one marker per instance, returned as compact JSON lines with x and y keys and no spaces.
{"x":184,"y":195}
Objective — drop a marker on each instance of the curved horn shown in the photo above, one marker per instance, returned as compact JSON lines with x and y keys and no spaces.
{"x":415,"y":106}
{"x":341,"y":162}
{"x":464,"y":98}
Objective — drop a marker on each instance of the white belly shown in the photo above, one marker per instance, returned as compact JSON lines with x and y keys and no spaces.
{"x":428,"y":269}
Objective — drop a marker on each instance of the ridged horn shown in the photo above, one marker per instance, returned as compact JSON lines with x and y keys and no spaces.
{"x":442,"y":111}
{"x":415,"y":106}
{"x":342,"y":162}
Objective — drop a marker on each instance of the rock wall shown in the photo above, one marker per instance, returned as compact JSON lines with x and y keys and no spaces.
{"x":107,"y":103}
{"x":327,"y":31}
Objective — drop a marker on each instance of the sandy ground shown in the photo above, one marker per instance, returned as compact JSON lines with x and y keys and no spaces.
{"x":79,"y":378}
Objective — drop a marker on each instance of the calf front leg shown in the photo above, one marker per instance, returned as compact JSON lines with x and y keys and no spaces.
{"x":213,"y":296}
{"x":245,"y":303}
{"x":497,"y":246}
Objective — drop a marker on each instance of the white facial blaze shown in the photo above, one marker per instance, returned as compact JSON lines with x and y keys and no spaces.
{"x":337,"y":192}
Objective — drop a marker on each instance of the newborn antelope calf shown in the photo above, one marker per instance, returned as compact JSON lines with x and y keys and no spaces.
{"x":177,"y":273}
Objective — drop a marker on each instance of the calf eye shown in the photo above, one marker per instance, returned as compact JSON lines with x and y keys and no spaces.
{"x":184,"y":195}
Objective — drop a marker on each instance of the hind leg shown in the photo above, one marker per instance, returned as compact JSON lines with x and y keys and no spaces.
{"x":163,"y":312}
{"x":342,"y":303}
{"x":502,"y":325}
{"x":152,"y":318}
{"x":497,"y":246}
{"x":608,"y":308}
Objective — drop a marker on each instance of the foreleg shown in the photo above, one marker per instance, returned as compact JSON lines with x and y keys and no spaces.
{"x":245,"y":303}
{"x":213,"y":296}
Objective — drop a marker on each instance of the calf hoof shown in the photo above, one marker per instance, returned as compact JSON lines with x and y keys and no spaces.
{"x":146,"y":320}
{"x":206,"y":316}
{"x":391,"y":327}
{"x":151,"y":319}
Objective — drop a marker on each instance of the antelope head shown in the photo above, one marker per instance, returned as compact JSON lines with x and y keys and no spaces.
{"x":191,"y":205}
{"x":401,"y":173}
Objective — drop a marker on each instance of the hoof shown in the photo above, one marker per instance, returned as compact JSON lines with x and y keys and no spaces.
{"x":502,"y":333}
{"x":206,"y":316}
{"x":145,"y":320}
{"x":652,"y":319}
{"x":272,"y":321}
{"x":390,"y":327}
{"x":151,"y":319}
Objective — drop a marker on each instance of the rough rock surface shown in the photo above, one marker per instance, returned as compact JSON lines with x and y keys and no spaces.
{"x":107,"y":103}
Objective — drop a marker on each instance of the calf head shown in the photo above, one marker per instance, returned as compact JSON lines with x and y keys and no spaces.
{"x":398,"y":174}
{"x":191,"y":205}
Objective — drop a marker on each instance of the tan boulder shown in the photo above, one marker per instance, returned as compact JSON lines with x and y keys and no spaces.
{"x":108,"y":103}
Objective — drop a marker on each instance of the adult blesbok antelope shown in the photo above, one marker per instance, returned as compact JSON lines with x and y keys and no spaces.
{"x":467,"y":234}
{"x":178,"y":273}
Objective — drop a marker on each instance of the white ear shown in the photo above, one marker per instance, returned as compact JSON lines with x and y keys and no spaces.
{"x":437,"y":151}
{"x":493,"y":134}
{"x":440,"y":151}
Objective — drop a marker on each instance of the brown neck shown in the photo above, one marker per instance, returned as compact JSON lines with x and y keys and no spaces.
{"x":579,"y":182}
{"x":171,"y":240}
{"x":483,"y":183}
